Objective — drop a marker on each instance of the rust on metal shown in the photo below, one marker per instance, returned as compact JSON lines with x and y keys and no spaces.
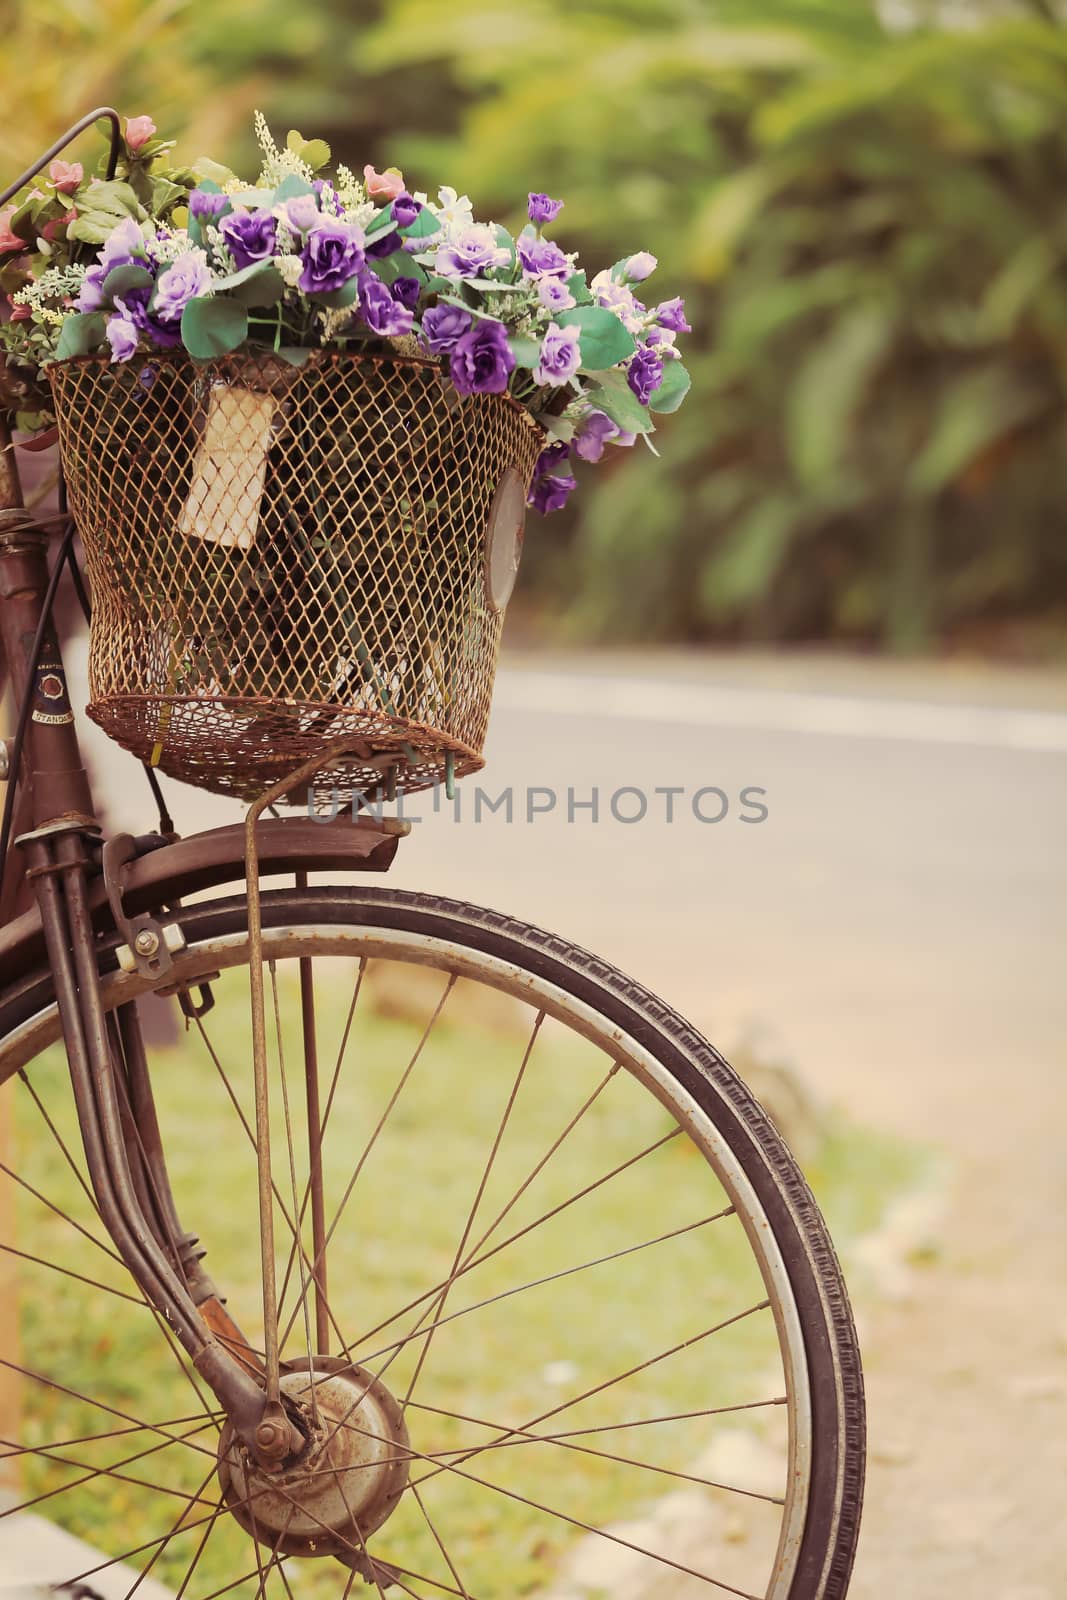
{"x":284,"y":557}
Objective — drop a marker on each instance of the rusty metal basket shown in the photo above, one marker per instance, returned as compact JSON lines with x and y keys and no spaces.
{"x":282,"y":557}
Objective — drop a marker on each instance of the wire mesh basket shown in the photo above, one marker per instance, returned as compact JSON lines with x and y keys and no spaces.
{"x":281,"y":557}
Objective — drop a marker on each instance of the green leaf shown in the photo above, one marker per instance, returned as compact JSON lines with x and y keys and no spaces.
{"x":674,"y":388}
{"x":263,"y":288}
{"x":604,"y":342}
{"x":163,"y":194}
{"x":104,"y":205}
{"x":579,"y":288}
{"x":81,"y":332}
{"x":380,"y":224}
{"x":527,"y":352}
{"x":213,"y":326}
{"x":212,"y":174}
{"x":338,"y":299}
{"x":121,"y":279}
{"x":291,"y":187}
{"x":424,"y":226}
{"x":253,"y":270}
{"x":398,"y":265}
{"x":316,"y":152}
{"x":613,"y":395}
{"x":296,"y":355}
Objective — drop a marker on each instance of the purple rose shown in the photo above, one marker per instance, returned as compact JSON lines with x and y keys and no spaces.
{"x":407,"y":291}
{"x":161,"y":330}
{"x":551,"y":493}
{"x":542,"y":209}
{"x":472,"y":253}
{"x":91,"y":293}
{"x":560,"y":356}
{"x":639,"y":267}
{"x":383,"y":245}
{"x":554,"y":294}
{"x":594,"y":432}
{"x":186,"y":279}
{"x":541,"y":258}
{"x":552,"y":456}
{"x":661,"y":340}
{"x":250,"y":236}
{"x":123,"y":243}
{"x":671,"y":314}
{"x":405,"y":210}
{"x":123,"y":337}
{"x":205,"y":204}
{"x":443,"y":326}
{"x":645,"y":373}
{"x":381,"y":313}
{"x":482,"y":360}
{"x":333,"y":252}
{"x":298,"y":214}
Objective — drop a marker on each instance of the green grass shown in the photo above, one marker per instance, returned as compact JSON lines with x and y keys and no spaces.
{"x":507,"y":1363}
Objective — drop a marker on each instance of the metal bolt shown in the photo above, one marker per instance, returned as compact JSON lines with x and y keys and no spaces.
{"x":272,"y":1438}
{"x":146,"y":943}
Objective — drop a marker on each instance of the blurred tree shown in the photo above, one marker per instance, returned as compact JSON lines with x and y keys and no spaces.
{"x":866,"y":213}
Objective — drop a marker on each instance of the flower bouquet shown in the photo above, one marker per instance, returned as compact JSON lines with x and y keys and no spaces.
{"x":299,"y":420}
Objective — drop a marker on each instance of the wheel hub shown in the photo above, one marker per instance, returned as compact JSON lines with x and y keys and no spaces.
{"x":344,"y":1484}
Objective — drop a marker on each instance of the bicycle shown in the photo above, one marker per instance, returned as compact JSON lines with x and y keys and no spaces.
{"x":290,"y":1424}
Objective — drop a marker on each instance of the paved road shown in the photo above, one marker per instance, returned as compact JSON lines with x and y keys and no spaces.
{"x":898,"y":924}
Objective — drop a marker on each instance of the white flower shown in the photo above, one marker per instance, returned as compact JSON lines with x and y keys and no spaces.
{"x":454,"y":212}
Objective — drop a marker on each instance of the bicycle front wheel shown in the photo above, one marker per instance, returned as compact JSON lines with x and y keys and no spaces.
{"x":555,"y":1298}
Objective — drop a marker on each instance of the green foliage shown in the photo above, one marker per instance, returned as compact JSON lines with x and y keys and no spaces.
{"x":213,"y":327}
{"x":867,"y":227}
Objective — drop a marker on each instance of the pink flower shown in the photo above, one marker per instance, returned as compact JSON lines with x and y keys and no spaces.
{"x":19,"y":313}
{"x":384,"y":185}
{"x":9,"y":240}
{"x":51,"y":229}
{"x":138,"y":132}
{"x":66,"y":176}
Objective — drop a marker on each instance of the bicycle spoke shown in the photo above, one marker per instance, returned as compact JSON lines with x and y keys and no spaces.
{"x":59,"y":1212}
{"x":439,"y":1304}
{"x":67,"y":1272}
{"x":582,"y":1111}
{"x":94,"y":1438}
{"x":320,"y":1305}
{"x":100,"y":1405}
{"x":602,"y":1533}
{"x":604,"y":1427}
{"x":334,"y":1080}
{"x":372,"y":1141}
{"x":98,"y":1472}
{"x":523,"y":1436}
{"x":201,"y":1547}
{"x":313,"y":1113}
{"x":547,"y":1216}
{"x":553,"y":1277}
{"x":440,"y":1543}
{"x":57,"y":1136}
{"x":251,"y":1137}
{"x":608,"y":1383}
{"x":91,"y":1472}
{"x":175,"y":1530}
